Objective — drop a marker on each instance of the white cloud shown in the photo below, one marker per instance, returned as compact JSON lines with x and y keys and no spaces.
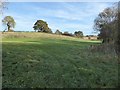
{"x":84,"y":15}
{"x":71,"y":12}
{"x":91,"y":11}
{"x":63,"y":0}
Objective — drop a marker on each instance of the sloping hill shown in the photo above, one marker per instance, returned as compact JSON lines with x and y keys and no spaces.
{"x":46,"y":60}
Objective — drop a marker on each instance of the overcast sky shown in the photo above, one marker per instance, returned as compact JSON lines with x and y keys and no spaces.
{"x":65,"y":16}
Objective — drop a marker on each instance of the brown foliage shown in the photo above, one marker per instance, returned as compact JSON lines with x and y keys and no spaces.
{"x":103,"y":48}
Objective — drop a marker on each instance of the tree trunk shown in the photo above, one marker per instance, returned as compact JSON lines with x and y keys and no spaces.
{"x":8,"y":27}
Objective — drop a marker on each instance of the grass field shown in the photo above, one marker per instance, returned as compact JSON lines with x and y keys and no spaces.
{"x":40,"y":60}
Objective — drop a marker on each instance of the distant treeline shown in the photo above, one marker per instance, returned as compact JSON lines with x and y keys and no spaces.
{"x":78,"y":34}
{"x":39,"y":26}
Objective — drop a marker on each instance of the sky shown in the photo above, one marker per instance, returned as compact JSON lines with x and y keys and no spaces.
{"x":65,"y":16}
{"x":61,"y":0}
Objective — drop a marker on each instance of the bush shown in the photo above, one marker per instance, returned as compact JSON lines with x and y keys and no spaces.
{"x":68,"y":34}
{"x":78,"y":34}
{"x":11,"y":30}
{"x":58,"y":32}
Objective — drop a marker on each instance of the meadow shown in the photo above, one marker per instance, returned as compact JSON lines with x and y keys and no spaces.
{"x":39,"y":60}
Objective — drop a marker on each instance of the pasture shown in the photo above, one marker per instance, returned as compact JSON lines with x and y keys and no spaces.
{"x":38,"y":60}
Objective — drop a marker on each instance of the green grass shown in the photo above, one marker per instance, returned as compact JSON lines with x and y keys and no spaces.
{"x":55,"y":62}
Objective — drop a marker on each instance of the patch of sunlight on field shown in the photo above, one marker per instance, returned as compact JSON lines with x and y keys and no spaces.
{"x":32,"y":35}
{"x":21,"y":42}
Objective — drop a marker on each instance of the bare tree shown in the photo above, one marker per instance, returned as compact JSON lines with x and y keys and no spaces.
{"x":2,"y":5}
{"x":106,"y":24}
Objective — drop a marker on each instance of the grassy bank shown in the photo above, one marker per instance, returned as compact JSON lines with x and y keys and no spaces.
{"x":54,"y":61}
